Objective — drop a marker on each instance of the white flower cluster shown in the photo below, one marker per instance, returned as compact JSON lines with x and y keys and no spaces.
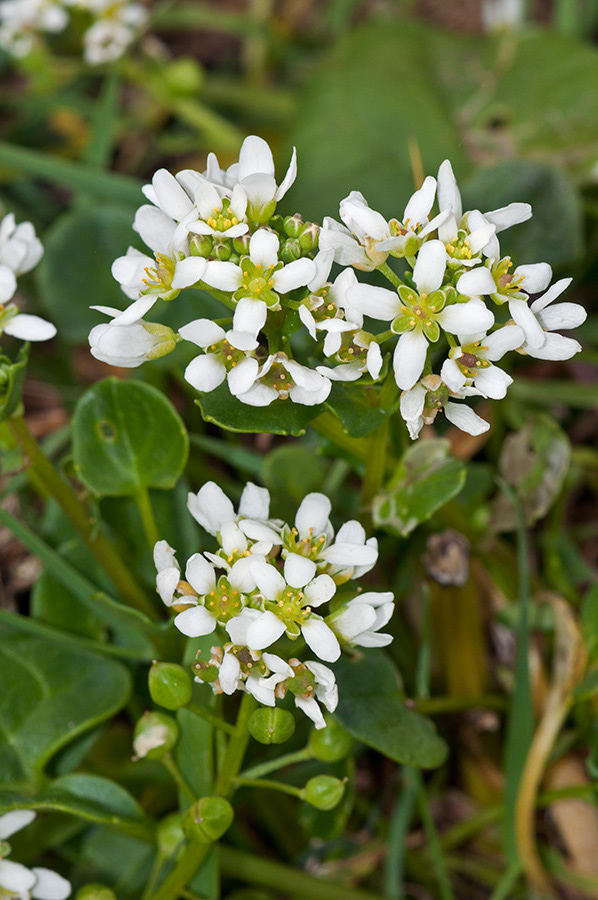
{"x":17,"y":880}
{"x":265,"y":581}
{"x":112,"y":25}
{"x":218,"y":230}
{"x":20,"y":251}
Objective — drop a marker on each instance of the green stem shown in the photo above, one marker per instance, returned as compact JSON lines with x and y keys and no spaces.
{"x":274,"y":764}
{"x":442,"y":876}
{"x":178,"y":777}
{"x":207,"y":716}
{"x":194,"y":854}
{"x":271,"y":785}
{"x":264,"y":872}
{"x":388,"y":272}
{"x":504,"y":888}
{"x":50,"y":481}
{"x":384,"y":336}
{"x":375,"y":466}
{"x":144,"y":505}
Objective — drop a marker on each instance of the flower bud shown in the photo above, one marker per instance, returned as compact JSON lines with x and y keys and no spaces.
{"x":331,"y":743}
{"x":271,"y":725}
{"x":293,"y":225}
{"x":95,"y":892}
{"x":241,"y":244}
{"x":260,"y":213}
{"x":164,"y":339}
{"x":222,"y":250}
{"x":324,"y":791}
{"x":205,"y":671}
{"x":207,"y":820}
{"x":155,"y":735}
{"x":170,"y":685}
{"x":183,"y":76}
{"x":169,"y":834}
{"x":200,"y":245}
{"x":310,"y":237}
{"x":291,"y":250}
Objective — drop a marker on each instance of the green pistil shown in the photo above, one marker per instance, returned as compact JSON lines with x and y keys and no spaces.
{"x":248,"y":664}
{"x":350,"y":351}
{"x":257,"y":282}
{"x":310,"y":546}
{"x":223,"y":602}
{"x":290,"y":610}
{"x":303,"y":684}
{"x":419,"y":311}
{"x":222,"y":219}
{"x":160,"y":277}
{"x":460,"y":248}
{"x":505,"y":283}
{"x":228,"y":355}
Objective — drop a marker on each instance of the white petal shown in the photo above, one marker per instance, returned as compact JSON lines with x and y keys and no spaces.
{"x":255,"y":156}
{"x":166,"y":582}
{"x":29,"y":328}
{"x":200,"y":574}
{"x":237,"y":627}
{"x":205,"y":373}
{"x":561,"y":315}
{"x":259,"y":395}
{"x":241,"y":340}
{"x":373,"y":639}
{"x":346,"y":554}
{"x":536,"y":277}
{"x":465,"y":419}
{"x":268,"y":579}
{"x":412,"y":402}
{"x":419,"y":206}
{"x":135,"y":311}
{"x":15,"y":878}
{"x":188,"y":271}
{"x":448,"y":192}
{"x":241,"y":576}
{"x":263,"y":248}
{"x":294,"y":275}
{"x":155,"y":228}
{"x":493,"y":382}
{"x":211,"y":507}
{"x":171,"y":196}
{"x":250,"y":315}
{"x":509,"y":215}
{"x":376,"y":302}
{"x":298,"y":570}
{"x":323,"y":263}
{"x":195,"y":622}
{"x":557,"y":346}
{"x":430,"y":265}
{"x":229,"y":672}
{"x":460,"y":318}
{"x":8,"y":283}
{"x":320,"y":590}
{"x":476,"y":282}
{"x":50,"y":885}
{"x":321,"y":639}
{"x":202,"y":332}
{"x":524,"y":317}
{"x":13,"y":821}
{"x":224,"y":276}
{"x":308,"y":320}
{"x":243,"y":376}
{"x":255,"y":502}
{"x":409,"y":358}
{"x":509,"y":337}
{"x":551,"y":294}
{"x":313,"y":515}
{"x":312,"y":710}
{"x":264,"y":630}
{"x":353,"y":620}
{"x":289,"y":178}
{"x":452,"y":375}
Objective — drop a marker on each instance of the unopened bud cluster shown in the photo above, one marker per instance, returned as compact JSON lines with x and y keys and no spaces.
{"x":219,"y":231}
{"x":269,"y":581}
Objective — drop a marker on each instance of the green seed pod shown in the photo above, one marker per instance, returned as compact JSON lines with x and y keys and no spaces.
{"x":310,"y":236}
{"x":331,"y":743}
{"x":200,"y":245}
{"x":293,"y":225}
{"x":155,"y":735}
{"x":95,"y":892}
{"x":207,"y":820}
{"x":271,"y":726}
{"x":324,"y":791}
{"x":183,"y":76}
{"x":170,"y":685}
{"x":169,"y":834}
{"x":291,"y":250}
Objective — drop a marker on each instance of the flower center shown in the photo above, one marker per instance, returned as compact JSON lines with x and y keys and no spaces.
{"x":222,"y":218}
{"x":223,"y":602}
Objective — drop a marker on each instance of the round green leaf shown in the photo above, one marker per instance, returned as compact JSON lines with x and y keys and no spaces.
{"x":74,"y":273}
{"x":127,"y":437}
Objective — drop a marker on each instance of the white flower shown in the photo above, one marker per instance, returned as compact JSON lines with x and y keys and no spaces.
{"x":280,"y":378}
{"x":471,"y":363}
{"x":17,"y":880}
{"x":361,"y":619}
{"x":417,"y":314}
{"x":358,"y":351}
{"x":420,"y":405}
{"x":327,"y":307}
{"x":105,"y":41}
{"x":320,"y":684}
{"x":20,"y":248}
{"x":24,"y":326}
{"x":129,"y":344}
{"x":258,"y":280}
{"x":169,"y":573}
{"x":550,"y":318}
{"x":214,"y":601}
{"x":288,"y":609}
{"x":222,"y":217}
{"x":213,"y":510}
{"x":408,"y":234}
{"x":502,"y":14}
{"x":226,"y":355}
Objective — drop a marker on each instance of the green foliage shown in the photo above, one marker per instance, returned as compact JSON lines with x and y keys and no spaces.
{"x":357,"y":409}
{"x":426,"y":478}
{"x":332,"y":743}
{"x":74,"y":273}
{"x":12,"y":379}
{"x":290,"y":472}
{"x":61,"y":693}
{"x":372,"y":709}
{"x":280,"y":417}
{"x":115,"y":452}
